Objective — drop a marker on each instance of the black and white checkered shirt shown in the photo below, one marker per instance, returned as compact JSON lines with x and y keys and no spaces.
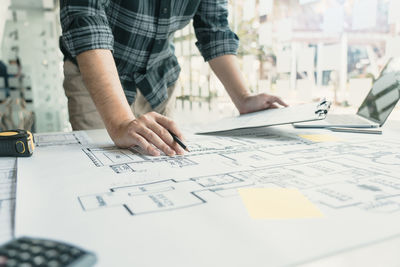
{"x":140,"y":35}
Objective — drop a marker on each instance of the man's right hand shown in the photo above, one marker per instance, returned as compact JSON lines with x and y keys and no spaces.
{"x":149,"y":131}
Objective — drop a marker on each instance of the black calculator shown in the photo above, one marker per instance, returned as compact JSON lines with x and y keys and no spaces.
{"x":32,"y":252}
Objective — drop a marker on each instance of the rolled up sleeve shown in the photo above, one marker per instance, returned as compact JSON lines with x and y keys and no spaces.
{"x":214,"y":37}
{"x":84,"y":26}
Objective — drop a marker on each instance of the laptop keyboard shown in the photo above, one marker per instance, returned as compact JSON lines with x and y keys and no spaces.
{"x":345,"y":119}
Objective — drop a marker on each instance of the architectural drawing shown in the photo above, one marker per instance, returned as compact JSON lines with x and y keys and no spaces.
{"x":228,"y":149}
{"x":158,"y":205}
{"x":334,"y":175}
{"x":161,"y":195}
{"x":59,"y":139}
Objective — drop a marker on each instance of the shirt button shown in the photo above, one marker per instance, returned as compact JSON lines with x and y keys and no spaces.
{"x":165,"y":10}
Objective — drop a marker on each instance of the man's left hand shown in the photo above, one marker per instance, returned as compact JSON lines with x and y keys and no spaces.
{"x":259,"y":102}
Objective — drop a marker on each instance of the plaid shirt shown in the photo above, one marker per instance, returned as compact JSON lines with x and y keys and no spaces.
{"x":140,"y":35}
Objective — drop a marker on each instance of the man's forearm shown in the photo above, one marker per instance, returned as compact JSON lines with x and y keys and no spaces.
{"x":227,"y":69}
{"x":148,"y":131}
{"x":101,"y":79}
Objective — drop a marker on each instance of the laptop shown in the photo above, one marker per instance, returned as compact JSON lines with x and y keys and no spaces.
{"x":376,"y":107}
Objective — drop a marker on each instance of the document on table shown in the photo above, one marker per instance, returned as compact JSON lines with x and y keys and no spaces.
{"x":7,"y":198}
{"x":270,"y":117}
{"x":8,"y":176}
{"x":182,"y":208}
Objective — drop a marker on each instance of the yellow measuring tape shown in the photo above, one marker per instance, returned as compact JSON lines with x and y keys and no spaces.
{"x":16,"y":143}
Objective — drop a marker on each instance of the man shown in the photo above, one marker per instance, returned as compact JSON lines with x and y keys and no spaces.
{"x":119,"y":54}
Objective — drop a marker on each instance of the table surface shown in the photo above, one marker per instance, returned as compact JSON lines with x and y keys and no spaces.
{"x":369,"y":254}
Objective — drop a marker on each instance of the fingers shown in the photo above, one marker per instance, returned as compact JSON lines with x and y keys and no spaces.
{"x":280,"y":101}
{"x":166,"y":137}
{"x":146,"y":146}
{"x":147,"y":133}
{"x":169,"y":124}
{"x":271,"y":100}
{"x":156,"y":140}
{"x":179,"y":150}
{"x":273,"y":106}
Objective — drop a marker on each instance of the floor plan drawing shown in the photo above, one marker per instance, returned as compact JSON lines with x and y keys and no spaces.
{"x":142,"y":199}
{"x":59,"y":139}
{"x":319,"y":174}
{"x":123,"y":194}
{"x":162,"y":195}
{"x":231,"y":151}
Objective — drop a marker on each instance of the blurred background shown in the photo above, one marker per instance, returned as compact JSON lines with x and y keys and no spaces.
{"x":301,"y":50}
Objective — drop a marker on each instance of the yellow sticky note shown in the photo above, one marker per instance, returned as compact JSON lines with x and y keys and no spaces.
{"x":321,"y":137}
{"x":277,"y":203}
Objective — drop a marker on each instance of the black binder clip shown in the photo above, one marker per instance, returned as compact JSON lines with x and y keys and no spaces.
{"x":323,"y":108}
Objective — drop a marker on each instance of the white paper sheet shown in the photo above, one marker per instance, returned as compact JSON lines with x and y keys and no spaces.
{"x":288,"y":115}
{"x":7,"y":198}
{"x":135,"y":210}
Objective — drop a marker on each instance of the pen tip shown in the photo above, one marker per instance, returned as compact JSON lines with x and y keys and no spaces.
{"x":187,"y":149}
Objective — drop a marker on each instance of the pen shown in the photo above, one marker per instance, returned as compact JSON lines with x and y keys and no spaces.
{"x":176,"y":139}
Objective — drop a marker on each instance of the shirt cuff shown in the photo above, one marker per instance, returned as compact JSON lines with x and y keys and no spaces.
{"x":87,"y":33}
{"x":217,"y":48}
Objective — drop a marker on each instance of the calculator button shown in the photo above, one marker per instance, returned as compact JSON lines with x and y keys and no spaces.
{"x":51,"y":254}
{"x":38,"y":260}
{"x":49,"y":244}
{"x":36,"y":242}
{"x":53,"y":263}
{"x":25,"y":264}
{"x":62,"y":247}
{"x":24,"y":246}
{"x":24,"y":256}
{"x":65,"y":258}
{"x":11,"y":253}
{"x":36,"y":249}
{"x":75,"y":252}
{"x":11,"y":263}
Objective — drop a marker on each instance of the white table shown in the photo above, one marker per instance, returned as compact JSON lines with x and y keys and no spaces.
{"x":364,"y":254}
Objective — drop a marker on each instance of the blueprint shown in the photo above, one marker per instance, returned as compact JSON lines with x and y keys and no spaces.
{"x":182,"y":208}
{"x":57,"y":139}
{"x":7,"y":198}
{"x":371,"y":182}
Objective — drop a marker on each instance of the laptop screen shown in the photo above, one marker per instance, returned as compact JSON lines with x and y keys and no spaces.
{"x":384,"y":95}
